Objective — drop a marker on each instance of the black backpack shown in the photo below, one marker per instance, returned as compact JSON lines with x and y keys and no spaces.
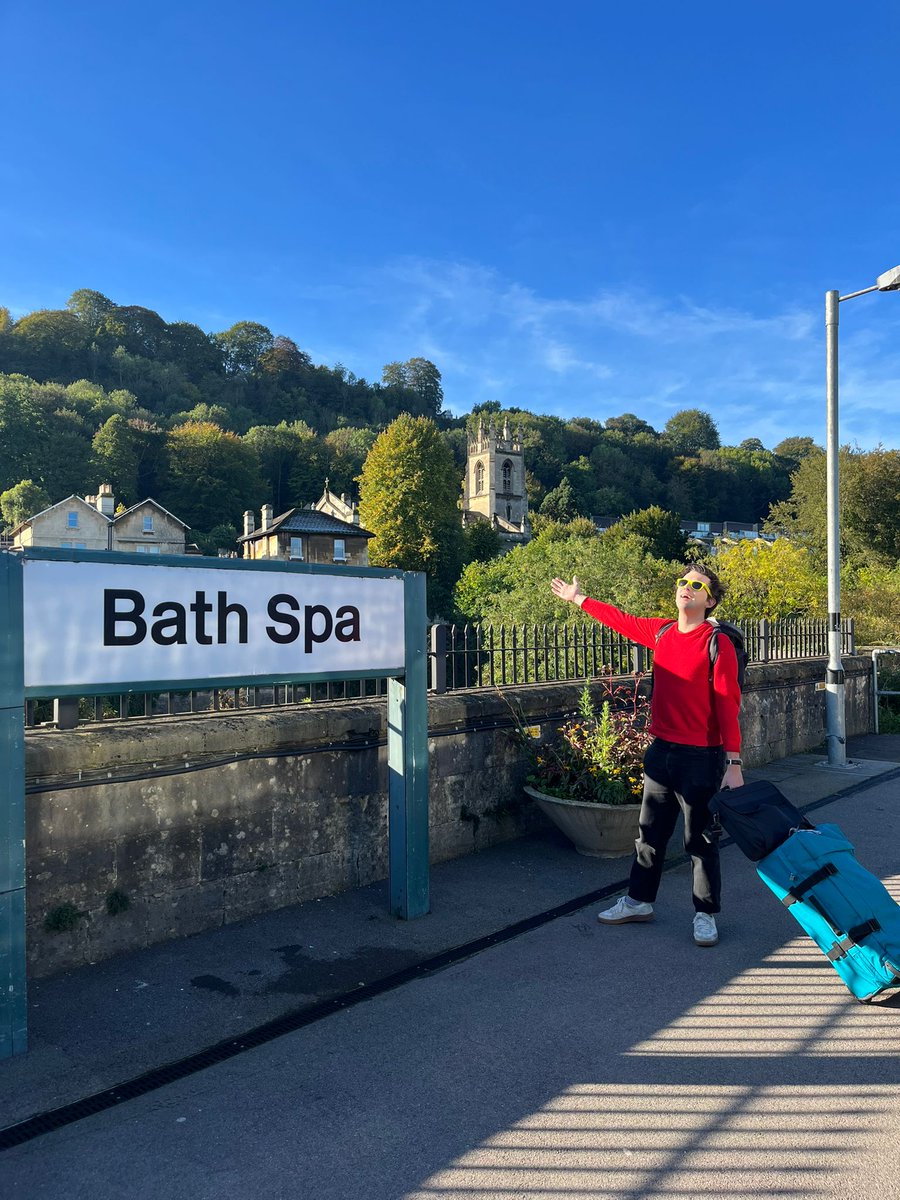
{"x":734,"y":635}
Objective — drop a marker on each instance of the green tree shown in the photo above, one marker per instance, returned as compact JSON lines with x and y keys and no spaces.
{"x":690,"y":431}
{"x":516,"y":587}
{"x":22,"y":501}
{"x":423,"y":378}
{"x":193,"y":351}
{"x":115,"y":457}
{"x":91,"y":308}
{"x":660,"y":530}
{"x":347,"y":448}
{"x":66,"y":460}
{"x":801,"y":516}
{"x":629,"y":426}
{"x":140,"y":331}
{"x":220,"y":537}
{"x":212,"y":476}
{"x":481,"y":542}
{"x":291,"y":461}
{"x":285,"y":360}
{"x":561,"y":504}
{"x":409,"y":488}
{"x":795,"y":449}
{"x":49,"y":344}
{"x":23,"y":431}
{"x":872,"y":504}
{"x":243,"y":345}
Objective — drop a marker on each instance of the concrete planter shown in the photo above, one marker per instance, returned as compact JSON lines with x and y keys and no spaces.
{"x":599,"y":830}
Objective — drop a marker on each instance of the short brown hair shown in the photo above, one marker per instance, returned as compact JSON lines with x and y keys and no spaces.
{"x":716,"y":586}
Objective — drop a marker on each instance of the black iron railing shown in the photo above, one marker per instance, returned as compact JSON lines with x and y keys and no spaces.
{"x":459,"y":657}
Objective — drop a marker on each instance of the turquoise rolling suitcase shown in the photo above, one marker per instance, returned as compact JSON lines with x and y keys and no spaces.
{"x":847,"y":912}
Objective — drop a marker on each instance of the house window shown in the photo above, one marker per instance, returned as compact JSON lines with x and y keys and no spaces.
{"x":479,"y":477}
{"x":296,"y":550}
{"x":148,"y":524}
{"x":141,"y":549}
{"x":340,"y":552}
{"x":72,"y":522}
{"x":507,"y":476}
{"x":703,"y":526}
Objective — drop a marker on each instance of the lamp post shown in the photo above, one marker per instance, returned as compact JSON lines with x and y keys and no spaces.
{"x":835,"y":722}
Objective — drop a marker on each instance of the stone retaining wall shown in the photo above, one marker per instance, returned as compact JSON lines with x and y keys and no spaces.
{"x":148,"y":830}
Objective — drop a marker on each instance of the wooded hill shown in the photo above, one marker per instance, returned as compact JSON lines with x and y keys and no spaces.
{"x":210,"y":424}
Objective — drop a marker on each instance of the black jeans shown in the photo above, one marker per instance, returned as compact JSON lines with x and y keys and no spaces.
{"x":684,"y":777}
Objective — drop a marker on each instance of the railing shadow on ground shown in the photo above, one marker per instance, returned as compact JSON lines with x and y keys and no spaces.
{"x":702,"y":1130}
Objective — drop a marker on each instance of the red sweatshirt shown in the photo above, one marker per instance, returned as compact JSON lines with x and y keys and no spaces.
{"x":685,"y":708}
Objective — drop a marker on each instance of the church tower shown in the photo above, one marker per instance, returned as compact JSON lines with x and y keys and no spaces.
{"x":494,"y":488}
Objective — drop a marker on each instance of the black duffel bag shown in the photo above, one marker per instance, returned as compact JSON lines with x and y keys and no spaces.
{"x":758,"y":817}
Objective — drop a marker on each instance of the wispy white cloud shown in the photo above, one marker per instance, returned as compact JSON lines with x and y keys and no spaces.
{"x":759,"y":374}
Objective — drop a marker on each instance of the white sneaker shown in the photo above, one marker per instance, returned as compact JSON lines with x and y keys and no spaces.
{"x":622,"y":912}
{"x":705,"y":932}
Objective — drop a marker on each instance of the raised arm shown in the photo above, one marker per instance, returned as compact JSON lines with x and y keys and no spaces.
{"x":639,"y":629}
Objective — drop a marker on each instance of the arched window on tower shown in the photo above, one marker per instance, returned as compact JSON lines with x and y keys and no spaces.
{"x":479,"y":477}
{"x":507,"y":476}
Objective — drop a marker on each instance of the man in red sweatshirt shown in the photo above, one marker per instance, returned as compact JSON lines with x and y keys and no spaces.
{"x":696,"y":742}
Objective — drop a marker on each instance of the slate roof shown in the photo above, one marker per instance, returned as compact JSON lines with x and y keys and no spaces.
{"x":308,"y":520}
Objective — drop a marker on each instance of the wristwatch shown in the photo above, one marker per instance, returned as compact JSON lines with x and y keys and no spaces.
{"x":733,"y":762}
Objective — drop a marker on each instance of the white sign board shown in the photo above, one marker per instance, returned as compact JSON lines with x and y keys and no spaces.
{"x":97,"y":623}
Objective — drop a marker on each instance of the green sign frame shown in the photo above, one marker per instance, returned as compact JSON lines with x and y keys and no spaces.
{"x":407,"y":724}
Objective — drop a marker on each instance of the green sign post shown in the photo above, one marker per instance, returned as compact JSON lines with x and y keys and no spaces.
{"x":82,"y":623}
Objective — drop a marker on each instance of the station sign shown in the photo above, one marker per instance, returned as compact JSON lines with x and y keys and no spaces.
{"x":98,"y":623}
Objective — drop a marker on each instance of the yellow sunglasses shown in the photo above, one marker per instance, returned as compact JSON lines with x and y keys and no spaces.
{"x":695,"y":585}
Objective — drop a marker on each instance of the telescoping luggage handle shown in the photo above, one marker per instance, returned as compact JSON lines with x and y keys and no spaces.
{"x":845,"y":942}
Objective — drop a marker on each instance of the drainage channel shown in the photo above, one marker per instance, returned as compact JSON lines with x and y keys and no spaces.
{"x":150,"y":1081}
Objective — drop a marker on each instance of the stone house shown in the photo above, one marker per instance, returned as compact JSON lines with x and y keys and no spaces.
{"x":148,"y":528}
{"x":325,"y":532}
{"x":93,"y":524}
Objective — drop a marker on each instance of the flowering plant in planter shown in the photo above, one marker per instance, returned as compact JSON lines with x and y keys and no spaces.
{"x":599,"y":754}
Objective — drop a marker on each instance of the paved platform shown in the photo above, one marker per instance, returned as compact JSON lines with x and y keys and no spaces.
{"x":569,"y":1060}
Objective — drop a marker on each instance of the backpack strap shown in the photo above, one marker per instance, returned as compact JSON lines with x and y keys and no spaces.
{"x":664,"y":629}
{"x":713,"y":645}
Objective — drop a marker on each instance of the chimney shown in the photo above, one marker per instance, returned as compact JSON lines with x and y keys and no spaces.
{"x":266,"y":514}
{"x":249,"y":522}
{"x":106,"y":502}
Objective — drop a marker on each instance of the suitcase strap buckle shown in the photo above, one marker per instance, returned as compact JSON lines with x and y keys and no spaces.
{"x":799,"y":890}
{"x":855,"y":935}
{"x":839,"y":949}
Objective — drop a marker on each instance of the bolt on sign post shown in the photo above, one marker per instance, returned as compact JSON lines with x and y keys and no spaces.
{"x":82,"y":623}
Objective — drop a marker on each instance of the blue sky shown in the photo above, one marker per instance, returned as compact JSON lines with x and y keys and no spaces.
{"x":580,"y":208}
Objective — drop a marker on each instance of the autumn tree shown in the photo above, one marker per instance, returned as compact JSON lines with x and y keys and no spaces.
{"x":776,"y":580}
{"x":409,"y":489}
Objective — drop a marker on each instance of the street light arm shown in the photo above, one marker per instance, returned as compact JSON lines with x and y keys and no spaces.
{"x":861,"y":292}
